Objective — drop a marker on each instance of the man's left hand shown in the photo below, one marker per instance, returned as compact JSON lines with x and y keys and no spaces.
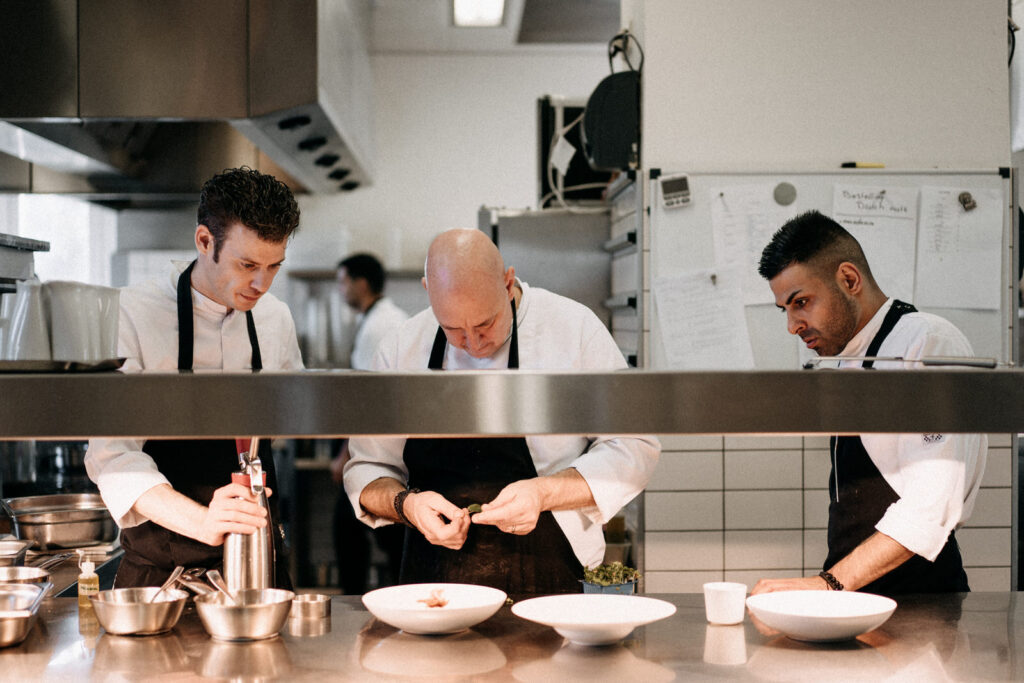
{"x":805,"y":583}
{"x":516,"y":508}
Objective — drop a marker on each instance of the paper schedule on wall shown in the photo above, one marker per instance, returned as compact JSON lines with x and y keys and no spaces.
{"x":743,"y":220}
{"x":958,"y":251}
{"x":701,"y":320}
{"x":884,"y":221}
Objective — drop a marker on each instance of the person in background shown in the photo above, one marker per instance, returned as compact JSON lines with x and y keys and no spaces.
{"x":544,"y":498}
{"x":173,"y":498}
{"x":361,"y":283}
{"x":896,"y":499}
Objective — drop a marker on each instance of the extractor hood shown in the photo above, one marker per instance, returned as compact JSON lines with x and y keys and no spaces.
{"x":113,"y":99}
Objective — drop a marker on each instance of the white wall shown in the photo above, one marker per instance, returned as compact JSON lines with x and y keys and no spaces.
{"x":454,"y":132}
{"x":745,"y":84}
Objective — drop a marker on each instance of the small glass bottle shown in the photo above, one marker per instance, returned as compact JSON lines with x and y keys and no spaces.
{"x":88,"y":583}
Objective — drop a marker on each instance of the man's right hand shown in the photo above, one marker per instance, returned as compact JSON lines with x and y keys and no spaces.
{"x":440,"y":522}
{"x":233,"y":509}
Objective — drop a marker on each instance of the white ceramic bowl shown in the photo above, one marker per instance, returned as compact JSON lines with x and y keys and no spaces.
{"x":401,"y":606}
{"x":821,"y":616}
{"x":595,"y":618}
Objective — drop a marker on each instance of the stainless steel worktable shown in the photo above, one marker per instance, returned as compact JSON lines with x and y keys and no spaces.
{"x":929,"y":638}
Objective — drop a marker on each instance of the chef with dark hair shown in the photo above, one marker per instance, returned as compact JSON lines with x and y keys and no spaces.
{"x":896,"y":499}
{"x":173,"y":498}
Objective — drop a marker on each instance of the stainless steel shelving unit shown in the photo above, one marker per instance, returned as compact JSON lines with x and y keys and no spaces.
{"x":345,"y":403}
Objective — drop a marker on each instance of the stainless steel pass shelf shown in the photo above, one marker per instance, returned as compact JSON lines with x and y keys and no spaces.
{"x":335,"y":403}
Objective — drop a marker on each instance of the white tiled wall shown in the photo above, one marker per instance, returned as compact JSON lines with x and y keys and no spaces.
{"x":742,"y":508}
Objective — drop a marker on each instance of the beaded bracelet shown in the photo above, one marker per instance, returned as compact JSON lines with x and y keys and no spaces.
{"x":399,"y":503}
{"x":833,"y":582}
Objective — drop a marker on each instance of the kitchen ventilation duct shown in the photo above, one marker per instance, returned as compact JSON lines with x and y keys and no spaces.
{"x":111,"y":99}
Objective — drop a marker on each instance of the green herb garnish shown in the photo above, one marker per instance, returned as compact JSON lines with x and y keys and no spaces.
{"x":609,"y":574}
{"x":474,"y":508}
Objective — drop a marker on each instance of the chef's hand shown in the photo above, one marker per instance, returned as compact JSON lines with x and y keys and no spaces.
{"x":441,"y":522}
{"x":516,"y":508}
{"x":233,"y":509}
{"x":805,"y":583}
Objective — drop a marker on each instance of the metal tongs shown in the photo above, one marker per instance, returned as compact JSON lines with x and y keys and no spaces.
{"x":251,"y":465}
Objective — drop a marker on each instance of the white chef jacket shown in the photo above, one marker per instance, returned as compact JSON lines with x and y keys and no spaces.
{"x":554,"y":333}
{"x":372,"y":327}
{"x":148,"y":340}
{"x":936,"y":476}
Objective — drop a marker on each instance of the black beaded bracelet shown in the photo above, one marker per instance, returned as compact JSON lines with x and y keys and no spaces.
{"x":399,"y":503}
{"x":833,"y":582}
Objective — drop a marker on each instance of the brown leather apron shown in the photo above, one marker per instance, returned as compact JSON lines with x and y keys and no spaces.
{"x":195,"y":468}
{"x":475,"y":470}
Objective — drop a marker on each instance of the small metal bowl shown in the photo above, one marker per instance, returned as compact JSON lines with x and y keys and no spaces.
{"x":257,"y":613}
{"x":311,"y":606}
{"x":128,"y":612}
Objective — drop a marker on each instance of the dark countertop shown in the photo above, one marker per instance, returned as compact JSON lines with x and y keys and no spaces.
{"x":951,"y":637}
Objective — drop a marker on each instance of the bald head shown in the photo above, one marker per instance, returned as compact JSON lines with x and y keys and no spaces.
{"x":469,"y":290}
{"x":463,"y":260}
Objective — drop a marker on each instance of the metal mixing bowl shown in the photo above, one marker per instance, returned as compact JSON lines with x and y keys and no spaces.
{"x":257,"y":614}
{"x":128,"y":612}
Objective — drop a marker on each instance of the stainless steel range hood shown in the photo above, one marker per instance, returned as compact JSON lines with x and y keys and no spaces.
{"x":111,"y":99}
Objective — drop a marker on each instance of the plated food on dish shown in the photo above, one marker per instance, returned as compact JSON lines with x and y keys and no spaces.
{"x":434,"y":608}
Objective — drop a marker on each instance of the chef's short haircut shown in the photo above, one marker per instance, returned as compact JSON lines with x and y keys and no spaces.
{"x":367,"y":267}
{"x":258,"y":201}
{"x":815,"y":240}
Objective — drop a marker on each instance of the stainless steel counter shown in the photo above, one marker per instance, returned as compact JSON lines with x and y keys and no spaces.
{"x":951,"y":637}
{"x":343,"y":403}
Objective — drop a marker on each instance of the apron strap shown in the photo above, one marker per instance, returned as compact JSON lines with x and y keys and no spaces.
{"x":254,"y":342}
{"x":186,"y":326}
{"x":186,"y":331}
{"x":892,"y":316}
{"x":441,"y":343}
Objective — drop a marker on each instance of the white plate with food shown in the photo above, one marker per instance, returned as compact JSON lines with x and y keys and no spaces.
{"x":432,"y":608}
{"x":593,"y":618}
{"x":821,"y":616}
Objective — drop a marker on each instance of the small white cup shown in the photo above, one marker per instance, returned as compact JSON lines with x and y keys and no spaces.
{"x":725,"y":645}
{"x":724,"y":602}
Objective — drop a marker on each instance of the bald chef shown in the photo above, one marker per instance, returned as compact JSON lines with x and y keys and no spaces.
{"x":544,"y":498}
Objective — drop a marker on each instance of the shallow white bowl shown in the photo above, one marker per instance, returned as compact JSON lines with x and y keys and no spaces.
{"x":821,"y":616}
{"x":467,"y":606}
{"x":593,"y":618}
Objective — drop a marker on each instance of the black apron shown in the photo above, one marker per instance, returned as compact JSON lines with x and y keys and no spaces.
{"x":475,"y":470}
{"x":195,"y":468}
{"x":860,"y":495}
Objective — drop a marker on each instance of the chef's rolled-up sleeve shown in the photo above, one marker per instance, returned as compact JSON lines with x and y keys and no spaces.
{"x":616,"y":469}
{"x":369,"y":460}
{"x":122,"y":472}
{"x":937,"y":477}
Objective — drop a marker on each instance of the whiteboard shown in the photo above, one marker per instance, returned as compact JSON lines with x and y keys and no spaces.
{"x":706,"y":238}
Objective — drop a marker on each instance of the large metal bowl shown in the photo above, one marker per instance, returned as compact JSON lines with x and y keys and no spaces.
{"x":257,"y":614}
{"x":128,"y":612}
{"x":69,"y":520}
